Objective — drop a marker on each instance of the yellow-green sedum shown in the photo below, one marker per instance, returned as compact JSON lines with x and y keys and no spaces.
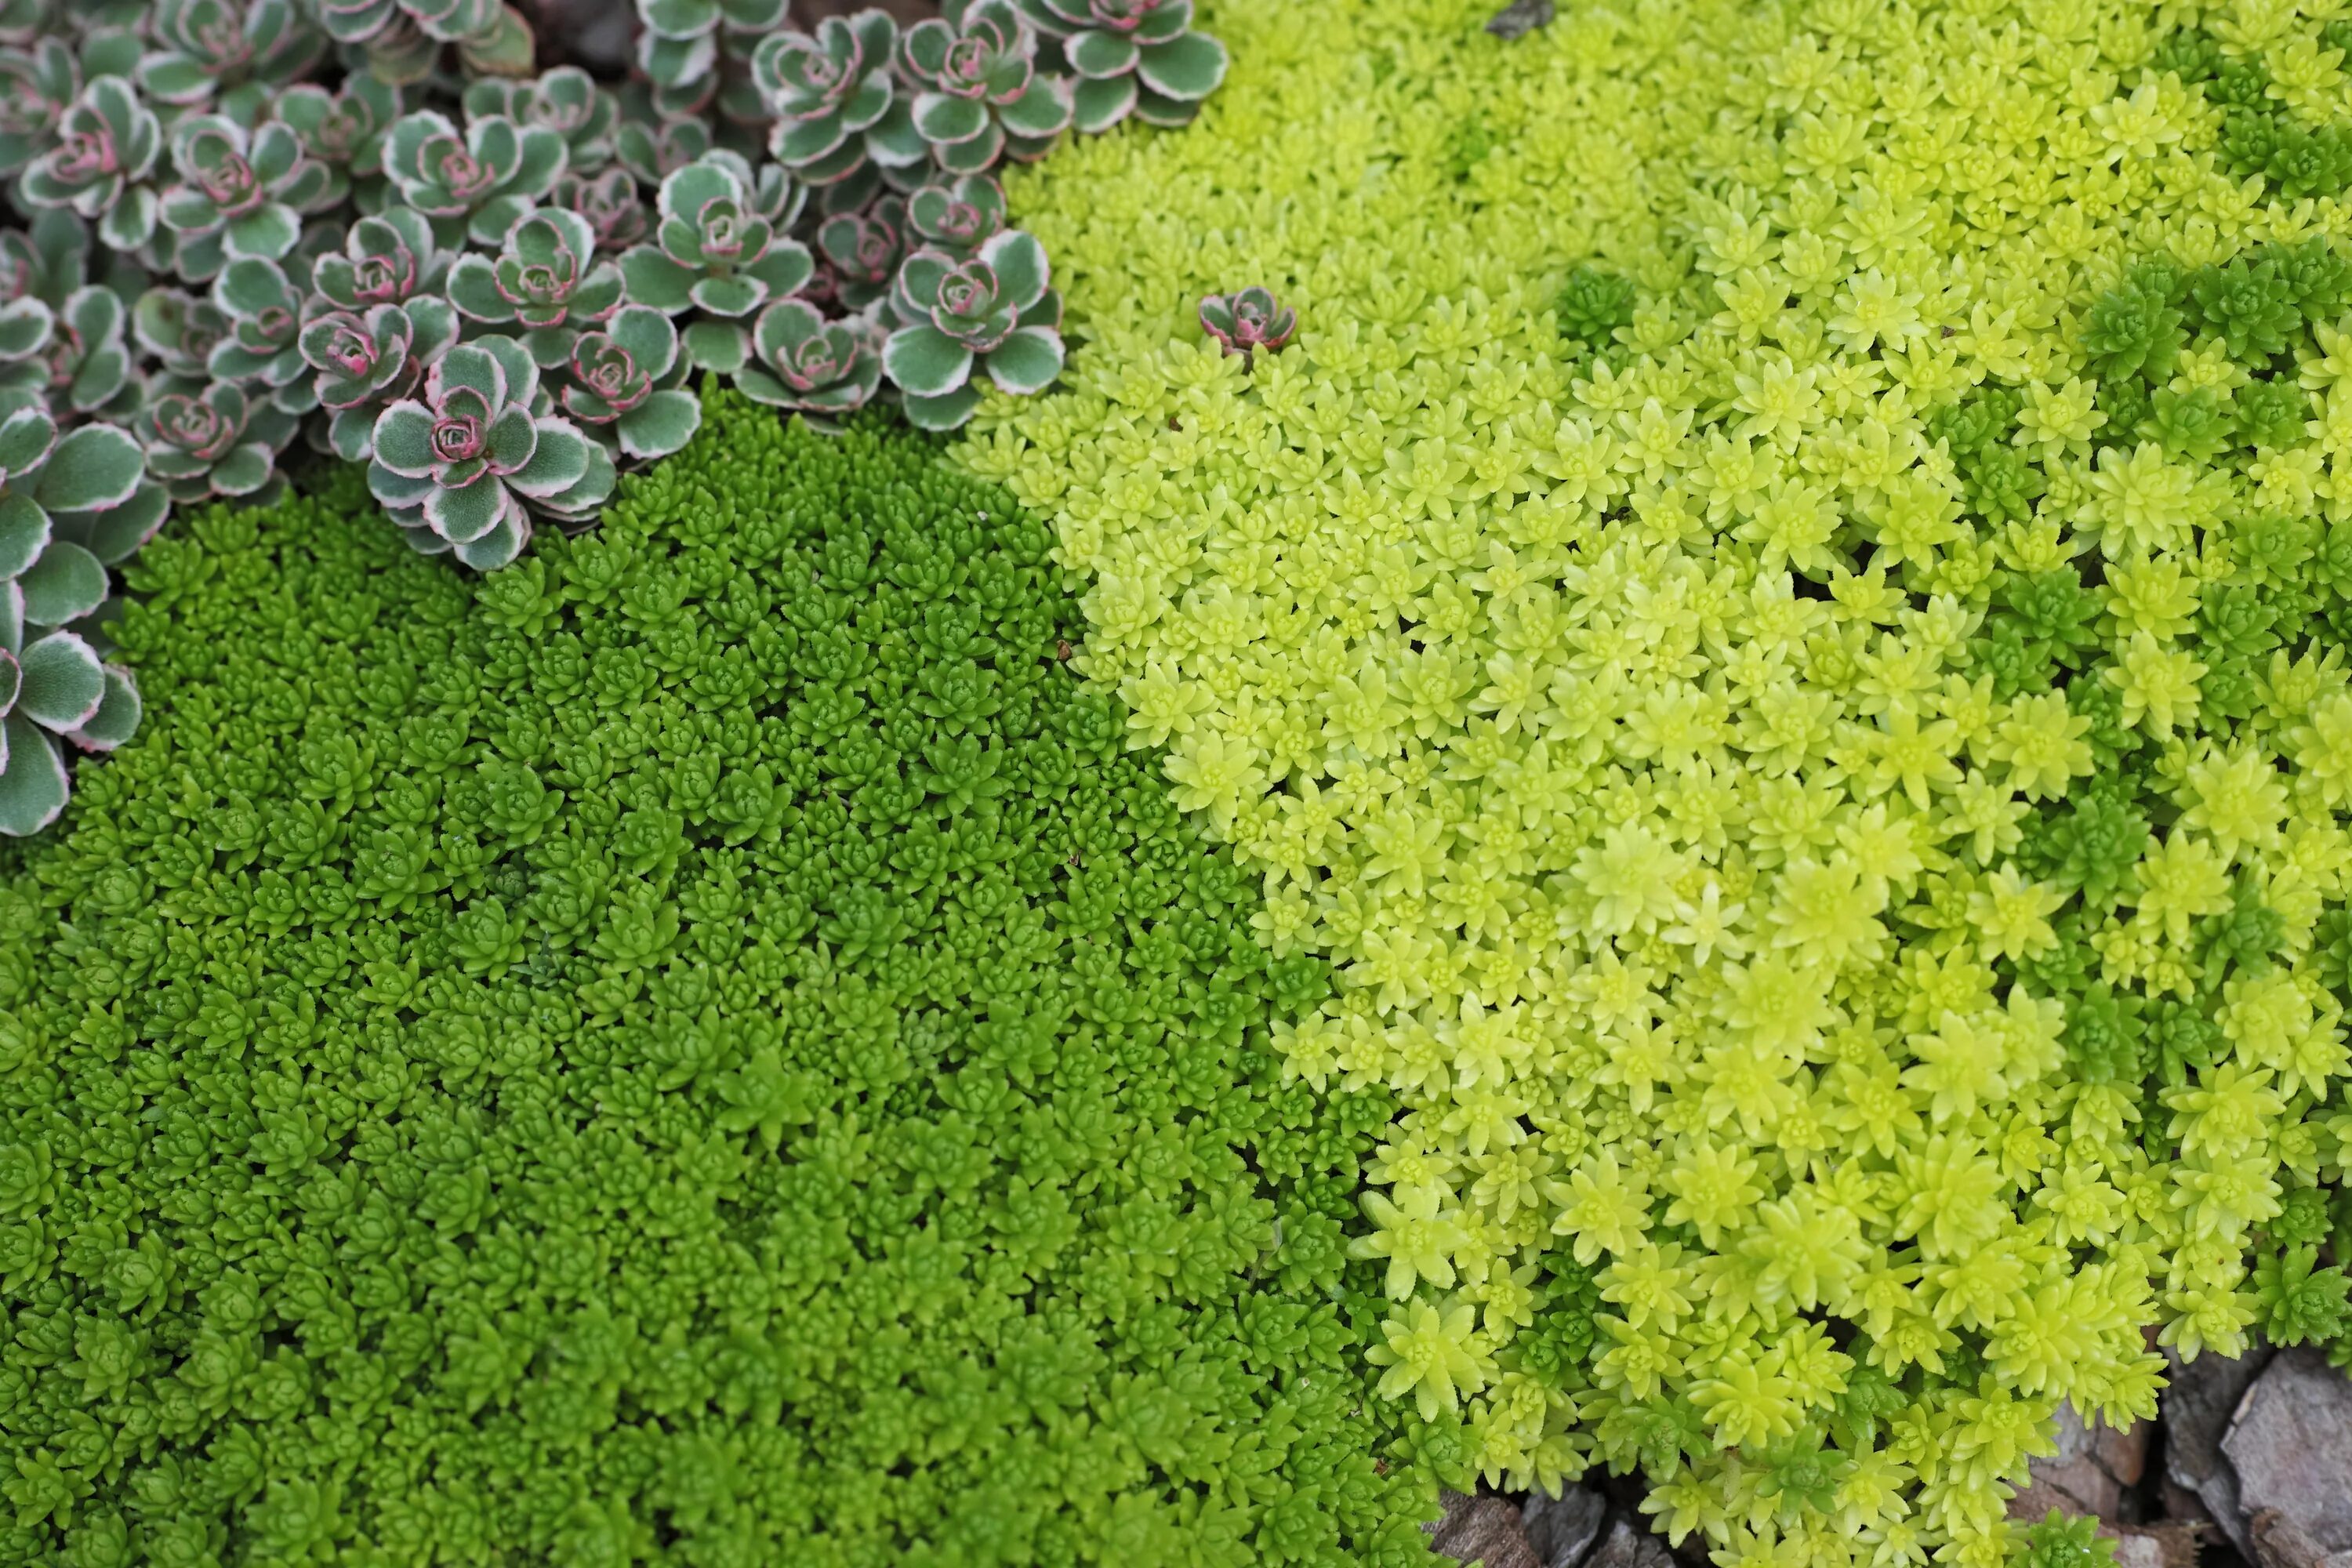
{"x":1828,"y":803}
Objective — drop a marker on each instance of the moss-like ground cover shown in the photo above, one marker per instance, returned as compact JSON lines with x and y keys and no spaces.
{"x":700,"y":1048}
{"x":1781,"y":624}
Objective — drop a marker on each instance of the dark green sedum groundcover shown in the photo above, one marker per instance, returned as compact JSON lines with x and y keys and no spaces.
{"x":702,"y":1048}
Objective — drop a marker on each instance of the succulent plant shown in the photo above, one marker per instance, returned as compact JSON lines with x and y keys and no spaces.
{"x":1136,"y":56}
{"x":836,"y":106}
{"x":37,"y":82}
{"x":389,"y":259}
{"x":678,"y":48}
{"x":358,"y":22}
{"x":108,"y":143}
{"x":716,"y":257}
{"x":956,"y":216}
{"x":48,"y":259}
{"x":457,"y":467}
{"x":261,"y":307}
{"x":1245,"y":322}
{"x":624,"y":381}
{"x":399,"y":54}
{"x":53,"y":688}
{"x":862,"y":251}
{"x":211,"y":440}
{"x":769,"y":190}
{"x":547,"y":280}
{"x":246,"y":190}
{"x":566,"y":100}
{"x":809,"y":363}
{"x":68,"y":504}
{"x":654,"y":148}
{"x":477,"y":184}
{"x":615,"y":239}
{"x":81,"y":363}
{"x":366,"y":361}
{"x":996,"y":310}
{"x":386,"y":38}
{"x":234,"y":49}
{"x":402,"y":39}
{"x":178,"y":328}
{"x":507,"y":49}
{"x":982,"y":97}
{"x":343,"y":130}
{"x":611,"y":202}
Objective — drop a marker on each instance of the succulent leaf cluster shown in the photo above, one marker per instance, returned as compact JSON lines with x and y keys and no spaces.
{"x":304,"y":205}
{"x":701,"y":1045}
{"x":71,"y":502}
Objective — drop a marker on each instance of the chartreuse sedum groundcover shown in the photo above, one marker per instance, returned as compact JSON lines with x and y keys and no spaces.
{"x":1625,"y":749}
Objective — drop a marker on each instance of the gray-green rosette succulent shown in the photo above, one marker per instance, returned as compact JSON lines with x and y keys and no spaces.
{"x":69,"y":504}
{"x":809,"y":363}
{"x":862,"y":251}
{"x":996,"y":311}
{"x":240,"y":193}
{"x":1138,"y":56}
{"x":956,"y":215}
{"x":47,"y":260}
{"x":343,"y":130}
{"x":566,"y":100}
{"x":261,"y":307}
{"x":213,"y":440}
{"x":654,"y":147}
{"x":622,"y":384}
{"x":476,"y":184}
{"x":462,"y":468}
{"x":179,"y":329}
{"x":546,"y":282}
{"x":609,"y":199}
{"x":235,"y":50}
{"x":76,"y":355}
{"x":38,"y":82}
{"x":53,"y":688}
{"x":365,"y":360}
{"x":714,"y":255}
{"x":108,"y":143}
{"x":982,"y":97}
{"x":389,"y":259}
{"x":682,"y":43}
{"x":402,"y":41}
{"x":837,"y":109}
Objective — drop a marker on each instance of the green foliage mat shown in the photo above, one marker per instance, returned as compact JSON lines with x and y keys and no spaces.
{"x":701,"y":1049}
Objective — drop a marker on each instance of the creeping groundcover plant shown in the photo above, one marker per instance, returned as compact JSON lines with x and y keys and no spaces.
{"x":1638,"y":758}
{"x":697,"y":1048}
{"x":1782,"y":621}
